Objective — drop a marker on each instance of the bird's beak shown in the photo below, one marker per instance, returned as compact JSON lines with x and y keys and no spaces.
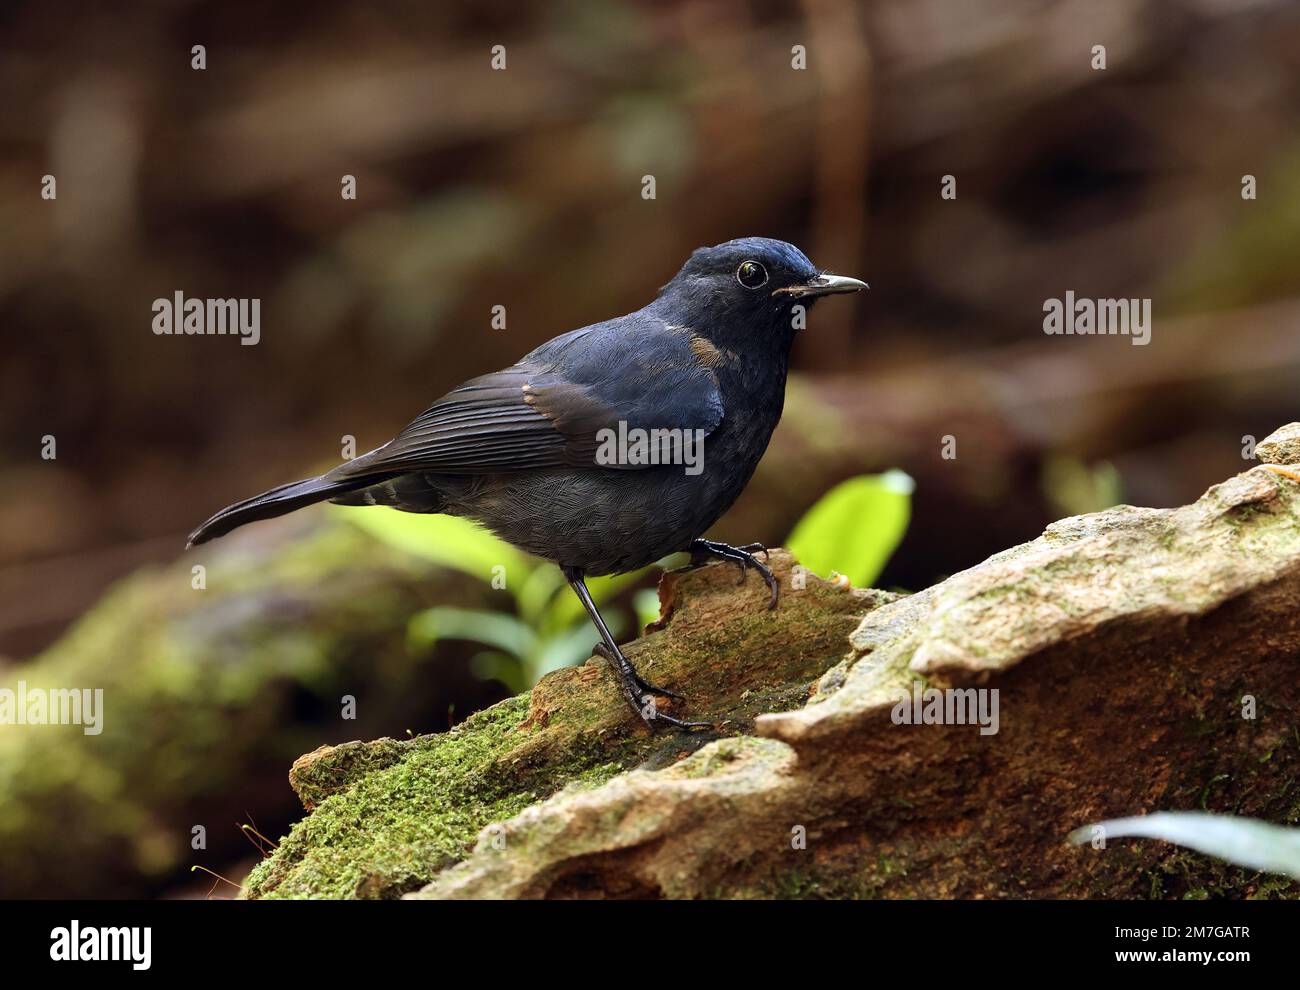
{"x":823,"y":285}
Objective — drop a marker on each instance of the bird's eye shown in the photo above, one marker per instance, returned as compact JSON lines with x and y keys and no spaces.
{"x":751,"y":274}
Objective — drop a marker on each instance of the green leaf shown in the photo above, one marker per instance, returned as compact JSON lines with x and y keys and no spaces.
{"x":647,"y":606}
{"x":537,"y":594}
{"x":453,"y":542}
{"x":1243,"y":841}
{"x":565,"y":651}
{"x":496,"y":629}
{"x":567,"y":610}
{"x":854,"y":527}
{"x":493,"y":666}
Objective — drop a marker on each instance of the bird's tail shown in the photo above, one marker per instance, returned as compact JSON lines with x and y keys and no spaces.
{"x":274,"y":503}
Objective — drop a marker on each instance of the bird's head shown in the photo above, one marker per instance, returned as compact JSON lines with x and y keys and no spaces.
{"x":747,"y":290}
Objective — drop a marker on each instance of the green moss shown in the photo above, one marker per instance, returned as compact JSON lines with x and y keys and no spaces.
{"x":387,"y":816}
{"x":727,"y":751}
{"x":394,"y":827}
{"x":390,"y":828}
{"x":198,"y":686}
{"x":413,"y":807}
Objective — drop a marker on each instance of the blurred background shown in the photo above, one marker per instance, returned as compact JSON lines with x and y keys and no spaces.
{"x":522,"y":188}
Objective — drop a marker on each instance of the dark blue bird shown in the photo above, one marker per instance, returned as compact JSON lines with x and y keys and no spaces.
{"x":545,"y":453}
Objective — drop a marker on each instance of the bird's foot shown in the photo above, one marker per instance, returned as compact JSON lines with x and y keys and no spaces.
{"x":601,"y":650}
{"x":742,"y":557}
{"x":640,"y":694}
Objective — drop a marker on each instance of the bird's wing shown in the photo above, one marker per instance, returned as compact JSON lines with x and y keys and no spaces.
{"x":547,"y":410}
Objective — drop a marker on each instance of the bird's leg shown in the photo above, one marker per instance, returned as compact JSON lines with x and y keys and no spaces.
{"x":639,"y":693}
{"x":601,"y":650}
{"x":743,"y":557}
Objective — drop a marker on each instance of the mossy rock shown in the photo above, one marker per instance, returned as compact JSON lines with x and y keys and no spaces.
{"x":1121,"y":644}
{"x":204,"y":695}
{"x":387,"y":816}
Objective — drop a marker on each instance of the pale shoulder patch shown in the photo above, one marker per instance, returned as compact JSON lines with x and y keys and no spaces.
{"x":708,"y":353}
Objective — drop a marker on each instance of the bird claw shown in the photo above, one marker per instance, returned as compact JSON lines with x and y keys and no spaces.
{"x":640,"y":693}
{"x":601,"y":650}
{"x":649,"y":688}
{"x":743,"y":557}
{"x":657,"y":719}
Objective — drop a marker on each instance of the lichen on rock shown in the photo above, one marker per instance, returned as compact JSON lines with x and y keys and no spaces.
{"x":1282,"y":446}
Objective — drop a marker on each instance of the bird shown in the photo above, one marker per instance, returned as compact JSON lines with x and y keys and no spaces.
{"x":539,"y":452}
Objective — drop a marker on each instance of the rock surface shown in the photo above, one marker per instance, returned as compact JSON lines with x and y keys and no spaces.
{"x":1282,"y":446}
{"x":1143,"y":659}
